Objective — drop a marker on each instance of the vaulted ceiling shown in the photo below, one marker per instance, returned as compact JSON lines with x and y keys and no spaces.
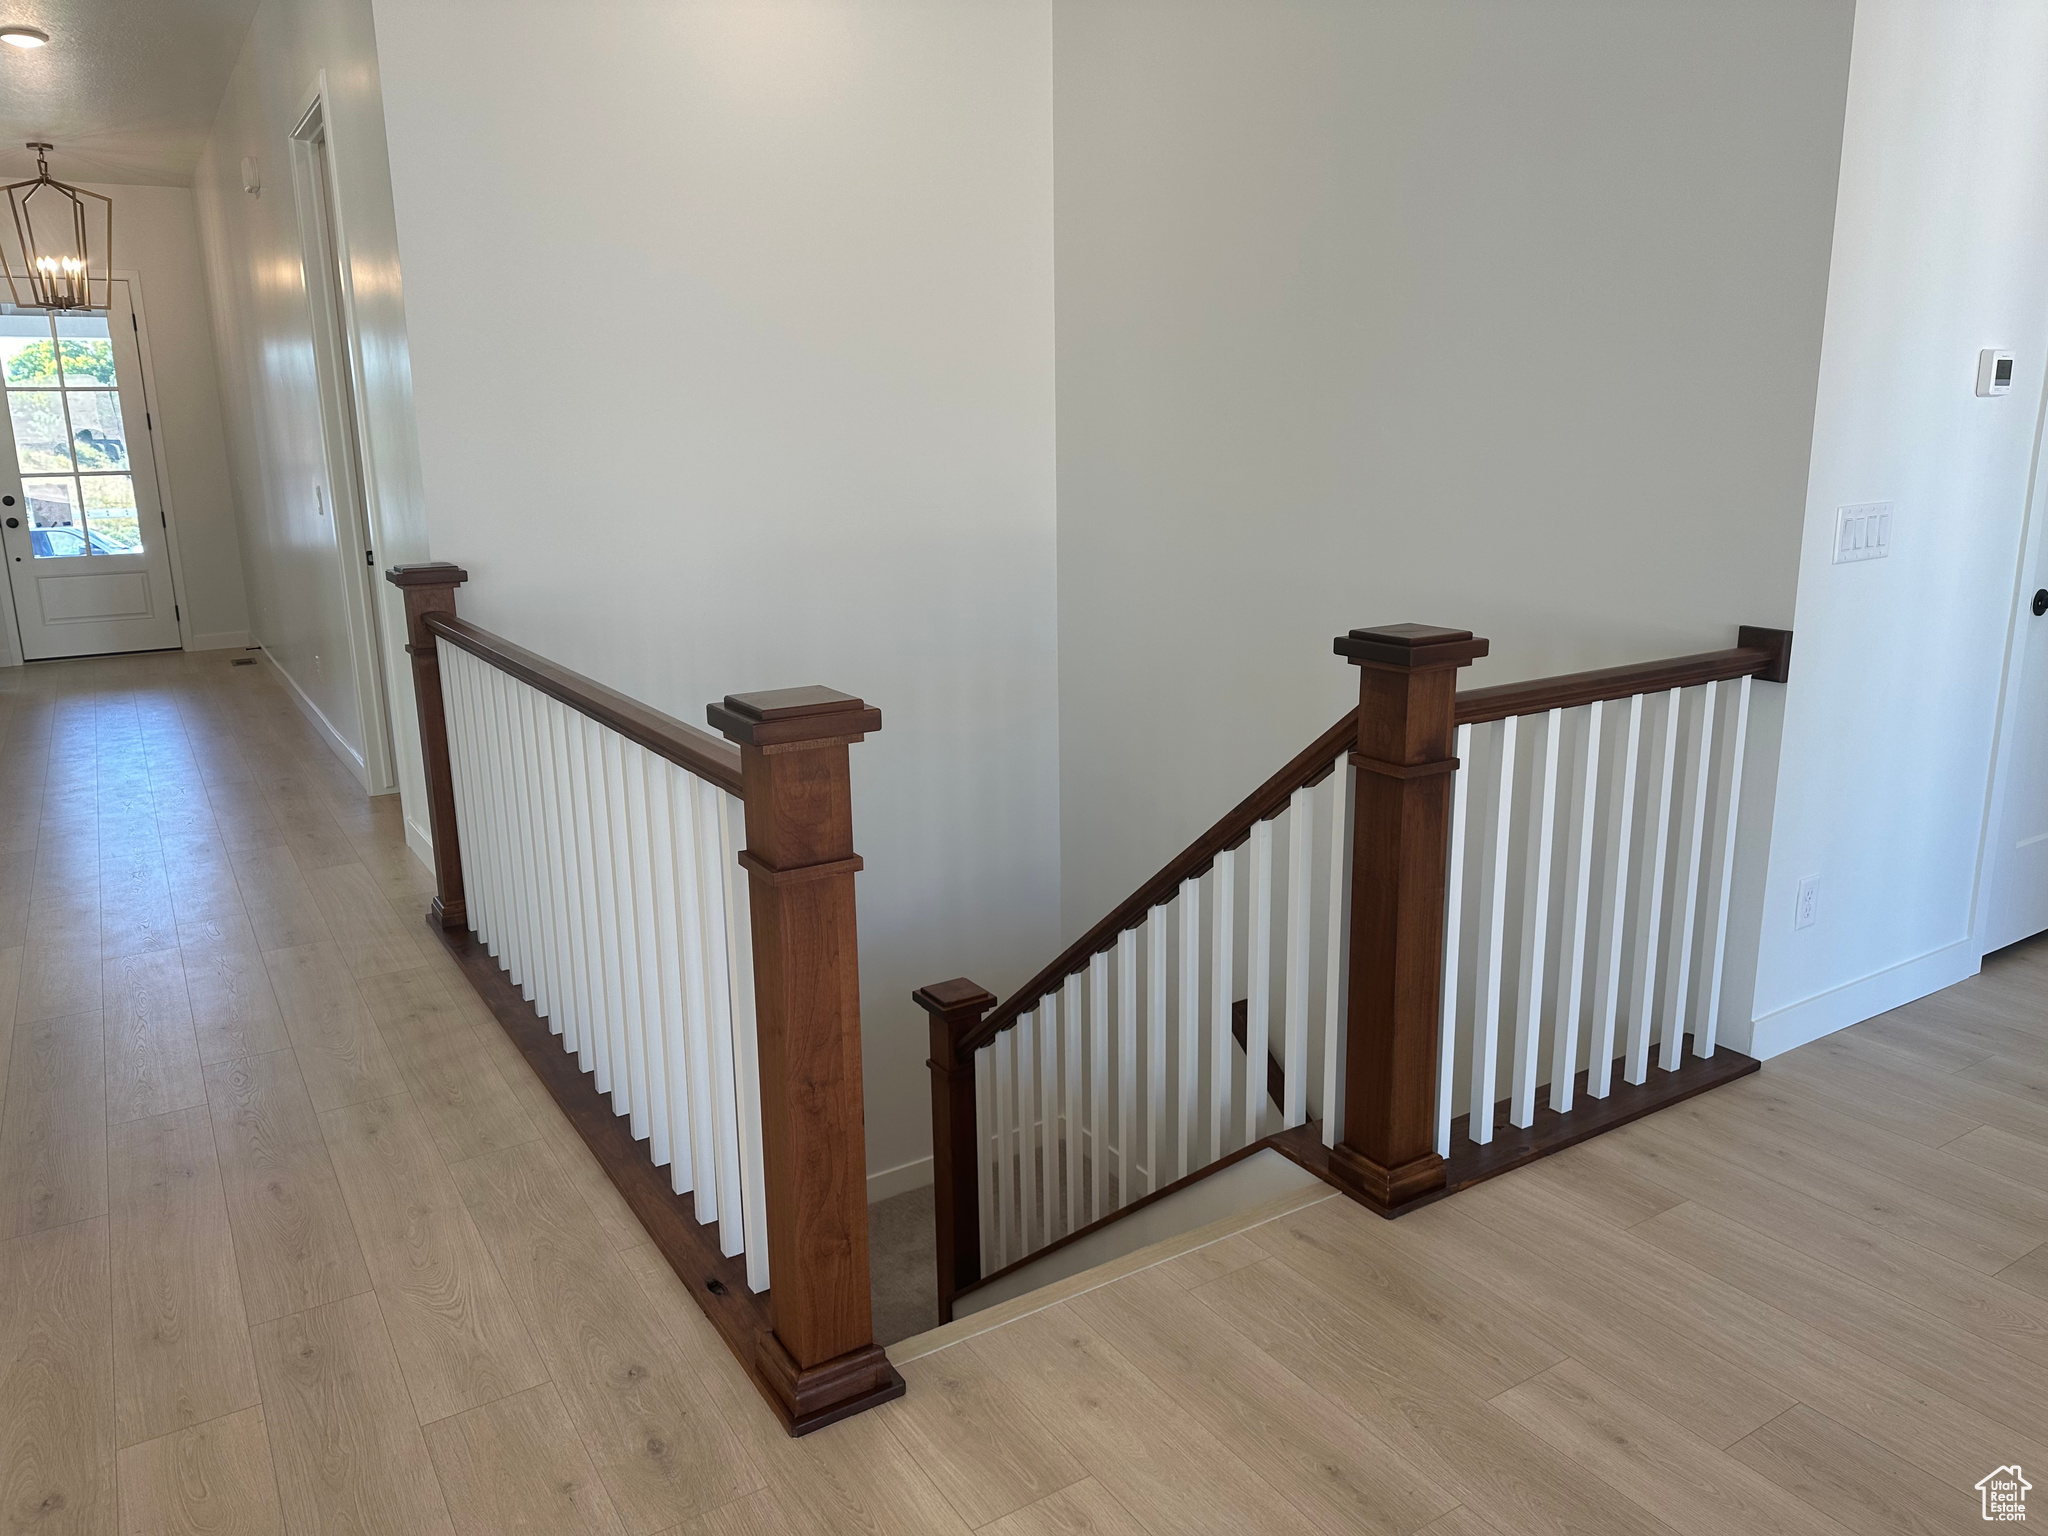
{"x":126,"y":89}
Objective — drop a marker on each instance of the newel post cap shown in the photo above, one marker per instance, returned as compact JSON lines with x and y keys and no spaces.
{"x":958,"y":996}
{"x":784,"y":717}
{"x":433,"y":573}
{"x":1409,"y":646}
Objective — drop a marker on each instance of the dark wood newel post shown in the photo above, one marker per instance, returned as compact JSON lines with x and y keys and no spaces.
{"x":955,"y":1007}
{"x":431,"y":589}
{"x":820,"y":1360}
{"x":1407,"y":698}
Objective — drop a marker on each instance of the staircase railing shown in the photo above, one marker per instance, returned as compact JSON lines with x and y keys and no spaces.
{"x":1382,"y":976}
{"x":637,"y":954}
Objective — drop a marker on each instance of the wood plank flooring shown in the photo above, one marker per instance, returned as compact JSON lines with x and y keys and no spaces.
{"x":291,"y":1240}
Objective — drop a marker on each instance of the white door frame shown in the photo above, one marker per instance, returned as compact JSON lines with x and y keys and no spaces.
{"x":351,"y":486}
{"x":10,"y":629}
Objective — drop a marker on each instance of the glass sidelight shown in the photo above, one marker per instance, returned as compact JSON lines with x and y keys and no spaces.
{"x":70,"y":441}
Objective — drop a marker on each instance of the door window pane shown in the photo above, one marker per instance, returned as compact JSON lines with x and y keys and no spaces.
{"x":27,"y":357}
{"x":96,"y":430}
{"x":39,"y":435}
{"x":86,"y":361}
{"x":53,"y":517}
{"x":110,"y":514}
{"x":71,"y":440}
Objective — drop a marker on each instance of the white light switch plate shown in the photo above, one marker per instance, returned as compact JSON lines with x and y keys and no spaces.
{"x":1863,"y":532}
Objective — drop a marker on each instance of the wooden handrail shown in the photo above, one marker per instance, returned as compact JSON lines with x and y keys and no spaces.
{"x":699,"y":752}
{"x":1760,"y":653}
{"x":1309,"y":766}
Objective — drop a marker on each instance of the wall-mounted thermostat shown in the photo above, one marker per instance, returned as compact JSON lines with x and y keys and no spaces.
{"x":1994,"y":372}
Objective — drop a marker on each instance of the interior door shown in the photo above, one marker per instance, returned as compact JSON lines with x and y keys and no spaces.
{"x":2017,"y":902}
{"x":83,"y":527}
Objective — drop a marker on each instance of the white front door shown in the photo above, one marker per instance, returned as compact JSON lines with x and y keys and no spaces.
{"x":80,"y":519}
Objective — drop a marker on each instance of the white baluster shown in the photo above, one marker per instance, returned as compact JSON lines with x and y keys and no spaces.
{"x":458,"y":773}
{"x":1098,"y":1080}
{"x":1189,"y":1063}
{"x":1222,"y":992}
{"x":688,"y":865}
{"x":525,"y":957}
{"x":1454,"y":918}
{"x":1126,"y":1065}
{"x":1049,"y":1112}
{"x":590,"y":945}
{"x":1030,"y":1209}
{"x":640,"y":849}
{"x":611,"y":1050}
{"x":1009,"y":1208}
{"x":1649,"y":929}
{"x":1337,"y":967}
{"x":487,"y":807}
{"x":679,"y":922}
{"x":491,"y":755}
{"x":714,"y":892}
{"x":1070,"y":1127}
{"x":1300,"y":921}
{"x":1493,"y":915}
{"x":1709,"y":1026}
{"x":476,"y":877}
{"x":746,"y":1041}
{"x":1614,"y":910}
{"x":988,"y":1185}
{"x":715,"y":831}
{"x":1258,"y":1027}
{"x":488,"y":921}
{"x":559,"y":879}
{"x":530,"y":835}
{"x":1691,"y":835}
{"x":1155,"y":1042}
{"x":1578,"y":871}
{"x":1535,"y":925}
{"x":618,"y":819}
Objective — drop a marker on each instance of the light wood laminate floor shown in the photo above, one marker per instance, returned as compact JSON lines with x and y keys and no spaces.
{"x":292,"y":1241}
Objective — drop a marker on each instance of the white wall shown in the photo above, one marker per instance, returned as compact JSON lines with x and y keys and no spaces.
{"x":157,"y":238}
{"x":1470,"y":312}
{"x":800,"y":430}
{"x":264,"y":338}
{"x":1941,"y":248}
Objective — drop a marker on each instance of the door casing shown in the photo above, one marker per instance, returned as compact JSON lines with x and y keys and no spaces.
{"x":350,"y":490}
{"x":10,"y":630}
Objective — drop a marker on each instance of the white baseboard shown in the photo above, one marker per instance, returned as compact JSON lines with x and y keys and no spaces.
{"x":1854,"y":1001}
{"x":900,"y":1180}
{"x":321,"y":723}
{"x":420,"y":841}
{"x":225,"y":640}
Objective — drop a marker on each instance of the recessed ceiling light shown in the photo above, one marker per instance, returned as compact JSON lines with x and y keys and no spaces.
{"x":24,"y":37}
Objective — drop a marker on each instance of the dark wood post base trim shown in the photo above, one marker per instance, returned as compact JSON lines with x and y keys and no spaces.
{"x":830,"y":1391}
{"x":1387,"y":1190}
{"x":449,"y":914}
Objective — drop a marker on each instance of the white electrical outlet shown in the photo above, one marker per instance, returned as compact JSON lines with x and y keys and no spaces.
{"x":1863,"y":532}
{"x":1807,"y":912}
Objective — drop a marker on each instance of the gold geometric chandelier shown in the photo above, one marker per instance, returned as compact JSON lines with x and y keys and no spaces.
{"x":59,"y":265}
